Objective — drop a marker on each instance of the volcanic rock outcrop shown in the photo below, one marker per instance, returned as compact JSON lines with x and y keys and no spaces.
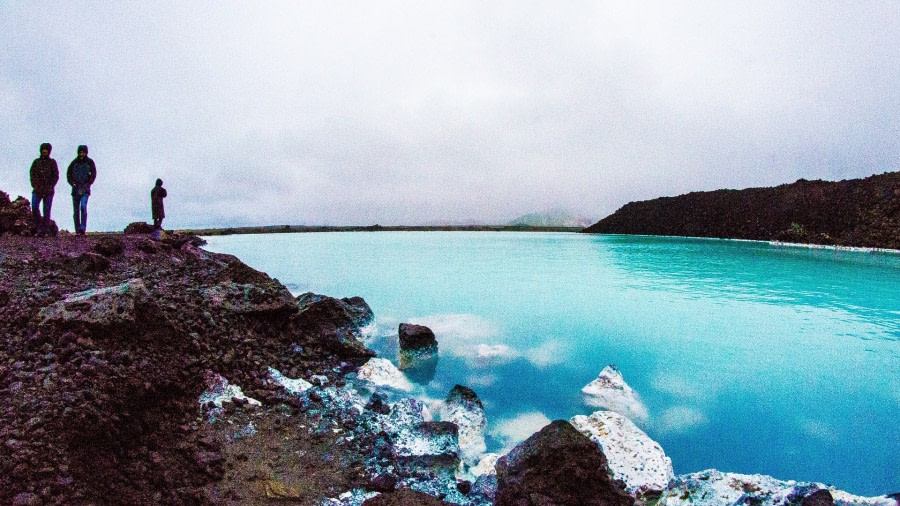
{"x":107,"y":343}
{"x":854,"y":212}
{"x":557,"y":465}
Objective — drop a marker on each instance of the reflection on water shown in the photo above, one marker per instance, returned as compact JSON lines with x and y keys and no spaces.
{"x":749,"y":357}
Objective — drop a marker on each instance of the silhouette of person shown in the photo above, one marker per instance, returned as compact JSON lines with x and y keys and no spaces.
{"x":44,"y":175}
{"x":81,"y":175}
{"x":157,"y":194}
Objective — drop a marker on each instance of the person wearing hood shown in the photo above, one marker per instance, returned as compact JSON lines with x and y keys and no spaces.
{"x":81,"y":175}
{"x":157,"y":194}
{"x":44,"y":175}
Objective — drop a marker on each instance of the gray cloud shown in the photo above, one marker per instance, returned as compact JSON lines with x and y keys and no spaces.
{"x":413,"y":112}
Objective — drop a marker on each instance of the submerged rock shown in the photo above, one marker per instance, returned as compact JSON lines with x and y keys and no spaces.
{"x":609,"y":391}
{"x":420,"y":366}
{"x":382,"y":373}
{"x":416,"y":337}
{"x":713,"y":488}
{"x":558,"y":465}
{"x":633,"y":457}
{"x":464,"y":408}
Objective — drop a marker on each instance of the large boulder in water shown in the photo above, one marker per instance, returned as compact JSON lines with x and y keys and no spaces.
{"x":557,"y":465}
{"x":416,"y":337}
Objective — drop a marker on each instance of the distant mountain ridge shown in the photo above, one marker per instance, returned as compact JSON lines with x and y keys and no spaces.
{"x":854,"y":212}
{"x":553,"y":218}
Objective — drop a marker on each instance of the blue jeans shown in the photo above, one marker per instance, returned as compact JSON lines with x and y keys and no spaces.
{"x":79,"y":205}
{"x":41,"y":222}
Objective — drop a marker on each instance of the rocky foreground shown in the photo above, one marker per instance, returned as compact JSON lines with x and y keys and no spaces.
{"x":854,"y":212}
{"x":135,"y":371}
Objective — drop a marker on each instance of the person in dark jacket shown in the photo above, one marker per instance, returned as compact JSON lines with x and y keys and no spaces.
{"x":157,"y":194}
{"x":44,"y":175}
{"x":81,"y":175}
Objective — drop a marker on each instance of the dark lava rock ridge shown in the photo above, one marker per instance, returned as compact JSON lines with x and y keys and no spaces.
{"x":854,"y":212}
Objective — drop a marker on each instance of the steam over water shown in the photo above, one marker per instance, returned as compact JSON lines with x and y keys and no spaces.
{"x":747,"y":357}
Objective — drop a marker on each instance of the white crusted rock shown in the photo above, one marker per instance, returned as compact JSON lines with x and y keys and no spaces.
{"x":464,"y":408}
{"x":609,"y":391}
{"x":712,"y":488}
{"x":633,"y":457}
{"x":290,"y":385}
{"x":381,"y":372}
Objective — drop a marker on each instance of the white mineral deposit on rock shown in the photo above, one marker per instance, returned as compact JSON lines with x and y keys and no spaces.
{"x":463,"y":408}
{"x":633,"y":457}
{"x":712,"y":488}
{"x":290,"y":385}
{"x":609,"y":391}
{"x":381,"y":372}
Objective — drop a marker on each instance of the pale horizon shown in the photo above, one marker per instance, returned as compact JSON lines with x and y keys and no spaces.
{"x":412,"y":113}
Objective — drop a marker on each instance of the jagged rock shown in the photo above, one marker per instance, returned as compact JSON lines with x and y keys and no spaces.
{"x":464,"y":408}
{"x":15,"y":216}
{"x":88,"y":262}
{"x":251,"y":299}
{"x":109,"y":246}
{"x":609,"y":391}
{"x":138,"y":227}
{"x":404,"y":497}
{"x":557,"y":465}
{"x":350,"y":311}
{"x":633,"y":457}
{"x":336,"y":323}
{"x":416,"y":337}
{"x":420,"y":365}
{"x":381,"y":372}
{"x":99,"y":306}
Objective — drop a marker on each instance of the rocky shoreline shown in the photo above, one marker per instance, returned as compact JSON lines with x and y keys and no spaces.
{"x":855,"y":212}
{"x":155,"y":372}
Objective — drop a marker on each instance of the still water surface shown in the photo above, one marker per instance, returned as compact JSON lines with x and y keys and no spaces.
{"x":749,"y":357}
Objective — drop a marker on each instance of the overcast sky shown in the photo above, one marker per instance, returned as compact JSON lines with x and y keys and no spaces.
{"x":411,"y":112}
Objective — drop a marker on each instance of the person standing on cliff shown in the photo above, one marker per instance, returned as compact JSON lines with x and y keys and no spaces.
{"x":157,"y":194}
{"x":81,"y":175}
{"x":44,"y":175}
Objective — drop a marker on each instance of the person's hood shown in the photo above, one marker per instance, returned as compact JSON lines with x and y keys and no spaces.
{"x":46,"y":146}
{"x":82,"y":148}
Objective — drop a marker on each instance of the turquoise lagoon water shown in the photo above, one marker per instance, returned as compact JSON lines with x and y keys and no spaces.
{"x":749,"y":357}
